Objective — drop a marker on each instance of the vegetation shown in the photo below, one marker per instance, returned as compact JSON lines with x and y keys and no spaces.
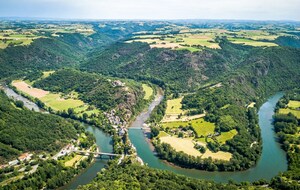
{"x":219,"y":72}
{"x":92,"y":89}
{"x":24,"y":130}
{"x":148,"y":91}
{"x":130,"y":176}
{"x":287,"y":126}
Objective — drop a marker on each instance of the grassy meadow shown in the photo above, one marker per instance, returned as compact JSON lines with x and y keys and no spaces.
{"x":148,"y":91}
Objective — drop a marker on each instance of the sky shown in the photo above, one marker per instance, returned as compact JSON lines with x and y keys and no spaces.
{"x":153,"y":9}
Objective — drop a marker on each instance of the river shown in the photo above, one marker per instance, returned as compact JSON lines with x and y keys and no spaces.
{"x":272,"y":161}
{"x":27,"y":103}
{"x":104,"y":143}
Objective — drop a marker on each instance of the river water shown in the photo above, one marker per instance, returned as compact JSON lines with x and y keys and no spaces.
{"x":104,"y":143}
{"x":272,"y":161}
{"x":27,"y":103}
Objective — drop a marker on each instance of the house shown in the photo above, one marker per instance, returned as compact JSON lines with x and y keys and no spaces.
{"x":14,"y":162}
{"x":122,"y":132}
{"x":25,"y":157}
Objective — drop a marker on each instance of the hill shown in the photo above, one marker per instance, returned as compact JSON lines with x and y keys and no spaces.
{"x":22,"y":130}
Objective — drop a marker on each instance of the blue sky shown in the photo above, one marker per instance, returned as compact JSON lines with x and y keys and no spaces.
{"x":153,"y":9}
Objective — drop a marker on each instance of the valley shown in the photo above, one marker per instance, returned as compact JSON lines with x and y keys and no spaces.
{"x":193,"y":98}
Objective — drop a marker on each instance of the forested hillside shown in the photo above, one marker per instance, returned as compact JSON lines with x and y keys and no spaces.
{"x":22,"y":130}
{"x":104,"y":93}
{"x":183,"y":70}
{"x":143,"y":177}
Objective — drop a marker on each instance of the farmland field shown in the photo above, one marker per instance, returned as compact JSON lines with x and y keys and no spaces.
{"x":174,"y":106}
{"x":200,"y":126}
{"x":71,"y":162}
{"x":53,"y":100}
{"x":187,"y":146}
{"x":251,"y":42}
{"x":148,"y":91}
{"x":288,"y":110}
{"x":197,"y":39}
{"x":225,"y":136}
{"x":57,"y":103}
{"x":34,"y":92}
{"x":294,"y":104}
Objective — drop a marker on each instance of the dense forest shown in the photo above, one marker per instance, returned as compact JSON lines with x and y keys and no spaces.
{"x":22,"y":130}
{"x":141,"y":177}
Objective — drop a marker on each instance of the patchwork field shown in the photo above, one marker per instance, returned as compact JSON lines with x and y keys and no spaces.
{"x":148,"y":91}
{"x":200,"y":126}
{"x":187,"y":146}
{"x":197,"y":39}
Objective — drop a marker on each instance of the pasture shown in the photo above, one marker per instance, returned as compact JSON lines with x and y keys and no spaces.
{"x":53,"y":100}
{"x":201,"y":127}
{"x":187,"y":146}
{"x":225,"y":136}
{"x":47,"y":74}
{"x":294,"y":104}
{"x":288,"y":110}
{"x":174,"y":107}
{"x":197,"y":39}
{"x":250,"y":42}
{"x":73,"y":161}
{"x":59,"y":104}
{"x":148,"y":91}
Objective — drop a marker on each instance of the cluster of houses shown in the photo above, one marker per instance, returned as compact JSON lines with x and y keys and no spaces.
{"x":118,"y":83}
{"x":22,"y":158}
{"x":117,"y":123}
{"x":65,"y":151}
{"x":186,"y":133}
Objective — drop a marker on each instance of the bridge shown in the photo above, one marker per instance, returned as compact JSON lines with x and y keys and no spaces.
{"x":100,"y":154}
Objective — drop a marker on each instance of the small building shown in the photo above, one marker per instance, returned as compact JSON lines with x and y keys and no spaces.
{"x":25,"y":157}
{"x":14,"y":162}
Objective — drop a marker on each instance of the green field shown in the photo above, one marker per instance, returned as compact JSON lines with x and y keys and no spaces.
{"x":201,"y":127}
{"x":57,"y":103}
{"x":294,"y":104}
{"x":226,"y":136}
{"x":174,"y":106}
{"x":47,"y":74}
{"x":163,"y":134}
{"x":148,"y":91}
{"x":196,"y":39}
{"x":251,"y":42}
{"x":288,"y":110}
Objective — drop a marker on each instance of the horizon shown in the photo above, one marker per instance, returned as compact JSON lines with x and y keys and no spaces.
{"x":139,"y":19}
{"x":255,"y":10}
